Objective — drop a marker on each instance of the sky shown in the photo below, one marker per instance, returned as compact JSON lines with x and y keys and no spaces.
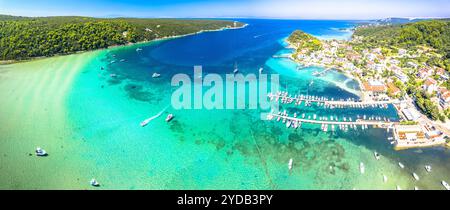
{"x":285,"y":9}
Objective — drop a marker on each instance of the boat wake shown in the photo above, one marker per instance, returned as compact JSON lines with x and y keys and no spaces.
{"x":148,"y":120}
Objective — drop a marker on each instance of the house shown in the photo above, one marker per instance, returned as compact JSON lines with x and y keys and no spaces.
{"x":394,"y":61}
{"x":412,"y":64}
{"x":402,"y":52}
{"x":379,"y":68}
{"x":394,"y":90}
{"x":444,"y":98}
{"x":425,"y":72}
{"x":374,"y":87}
{"x":430,"y":85}
{"x":442,"y":73}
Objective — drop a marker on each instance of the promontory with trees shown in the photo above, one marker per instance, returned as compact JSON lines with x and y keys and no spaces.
{"x":29,"y":37}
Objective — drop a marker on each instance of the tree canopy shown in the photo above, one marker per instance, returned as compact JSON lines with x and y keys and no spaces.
{"x":26,"y":37}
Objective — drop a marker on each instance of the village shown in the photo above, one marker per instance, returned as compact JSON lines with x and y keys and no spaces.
{"x":384,"y":75}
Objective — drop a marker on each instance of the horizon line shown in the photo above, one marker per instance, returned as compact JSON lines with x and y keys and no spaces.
{"x":227,"y":17}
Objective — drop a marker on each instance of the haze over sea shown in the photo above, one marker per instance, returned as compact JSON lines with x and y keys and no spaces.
{"x":89,"y":122}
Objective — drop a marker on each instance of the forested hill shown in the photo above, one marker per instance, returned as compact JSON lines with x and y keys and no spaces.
{"x":26,"y":37}
{"x":431,"y":33}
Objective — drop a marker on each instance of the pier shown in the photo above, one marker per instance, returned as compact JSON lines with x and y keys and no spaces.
{"x":285,"y":98}
{"x":327,"y":122}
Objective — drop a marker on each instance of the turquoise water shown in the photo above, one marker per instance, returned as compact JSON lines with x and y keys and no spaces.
{"x":225,"y":149}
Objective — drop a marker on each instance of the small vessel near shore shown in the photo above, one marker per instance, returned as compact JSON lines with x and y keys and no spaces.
{"x":416,"y":177}
{"x":40,"y":152}
{"x":398,"y":188}
{"x":377,"y":156}
{"x":428,"y":168}
{"x":445,"y":184}
{"x":155,"y":75}
{"x":401,"y":165}
{"x":169,"y":117}
{"x":361,"y":167}
{"x":416,"y":188}
{"x":385,"y":179}
{"x":94,"y":183}
{"x":261,"y":70}
{"x":138,"y":49}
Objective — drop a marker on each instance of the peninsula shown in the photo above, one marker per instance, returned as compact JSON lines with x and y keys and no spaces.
{"x":22,"y":38}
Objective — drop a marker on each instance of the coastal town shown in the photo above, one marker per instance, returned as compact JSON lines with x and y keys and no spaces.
{"x":399,"y":76}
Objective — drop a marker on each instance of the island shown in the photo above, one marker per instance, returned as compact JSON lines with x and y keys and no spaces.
{"x":404,"y":64}
{"x":22,"y":38}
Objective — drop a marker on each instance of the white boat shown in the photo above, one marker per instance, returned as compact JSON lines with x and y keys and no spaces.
{"x":261,"y":70}
{"x":155,"y":75}
{"x":401,"y":165}
{"x":138,"y":49}
{"x":390,"y":138}
{"x":416,"y":188}
{"x":428,"y":168}
{"x":416,"y":177}
{"x":361,"y":167}
{"x":445,"y":184}
{"x":145,"y":122}
{"x":398,"y":188}
{"x":385,"y":178}
{"x":290,"y":164}
{"x":169,"y":117}
{"x":94,"y":183}
{"x":40,"y":152}
{"x":288,"y":124}
{"x":377,"y":156}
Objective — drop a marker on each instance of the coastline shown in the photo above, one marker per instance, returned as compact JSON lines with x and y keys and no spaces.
{"x":10,"y":62}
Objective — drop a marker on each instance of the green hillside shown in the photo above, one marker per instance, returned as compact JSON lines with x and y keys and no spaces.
{"x":25,"y":37}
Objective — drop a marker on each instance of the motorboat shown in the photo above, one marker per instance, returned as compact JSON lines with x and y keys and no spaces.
{"x":40,"y":152}
{"x":288,"y":124}
{"x":446,"y":185}
{"x":416,"y":177}
{"x":361,"y":167}
{"x":428,"y":168}
{"x":290,"y":164}
{"x":145,"y":122}
{"x":398,"y":188}
{"x":169,"y":117}
{"x":94,"y":183}
{"x":261,"y":70}
{"x":385,"y":179}
{"x":401,"y":165}
{"x":377,"y":156}
{"x":155,"y":75}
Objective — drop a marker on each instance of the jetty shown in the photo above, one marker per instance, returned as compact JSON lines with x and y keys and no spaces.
{"x":286,"y":98}
{"x":361,"y":122}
